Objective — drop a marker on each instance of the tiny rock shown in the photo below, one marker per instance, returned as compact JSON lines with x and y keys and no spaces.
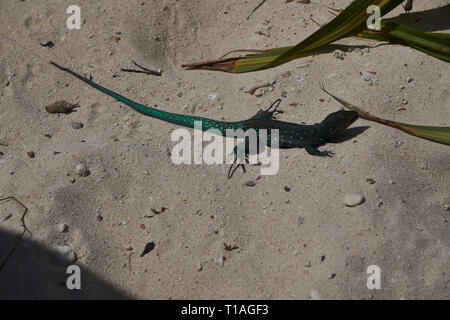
{"x":366,"y":75}
{"x":315,"y":295}
{"x":339,"y":54}
{"x":219,"y":261}
{"x":61,"y":107}
{"x":65,"y":253}
{"x":63,"y":227}
{"x":77,"y":125}
{"x":82,"y":170}
{"x":250,"y":183}
{"x":352,"y":200}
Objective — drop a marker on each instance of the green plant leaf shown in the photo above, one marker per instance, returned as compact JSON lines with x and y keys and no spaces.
{"x":436,"y":134}
{"x":350,"y":22}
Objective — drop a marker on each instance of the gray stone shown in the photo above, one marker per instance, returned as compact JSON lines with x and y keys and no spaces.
{"x":77,"y":125}
{"x":82,"y":170}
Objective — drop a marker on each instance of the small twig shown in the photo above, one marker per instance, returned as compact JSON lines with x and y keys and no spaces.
{"x":129,"y":261}
{"x":253,"y":89}
{"x":144,"y":70}
{"x":25,"y":229}
{"x":256,"y":8}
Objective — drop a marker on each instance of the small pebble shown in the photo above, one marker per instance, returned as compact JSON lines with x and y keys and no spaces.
{"x":352,"y":200}
{"x":250,"y":183}
{"x":65,"y":253}
{"x":62,"y":228}
{"x":180,"y":94}
{"x":219,"y":261}
{"x":367,"y":76}
{"x":300,"y":220}
{"x":339,"y":54}
{"x":77,"y":125}
{"x":99,"y":218}
{"x":212,"y":96}
{"x":332,"y":275}
{"x":82,"y":170}
{"x":129,"y":248}
{"x":315,"y":295}
{"x":61,"y":107}
{"x":370,"y":180}
{"x":199,"y":267}
{"x":31,"y":154}
{"x":287,"y":189}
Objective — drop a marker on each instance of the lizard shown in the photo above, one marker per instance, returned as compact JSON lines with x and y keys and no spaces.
{"x":291,"y":135}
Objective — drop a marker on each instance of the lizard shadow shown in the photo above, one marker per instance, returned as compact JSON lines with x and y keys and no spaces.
{"x":435,"y":19}
{"x":349,"y":134}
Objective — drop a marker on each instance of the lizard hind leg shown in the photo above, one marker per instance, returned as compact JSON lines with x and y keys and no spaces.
{"x":268,"y":114}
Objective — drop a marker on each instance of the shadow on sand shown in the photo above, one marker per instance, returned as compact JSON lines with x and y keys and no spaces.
{"x":34,"y":272}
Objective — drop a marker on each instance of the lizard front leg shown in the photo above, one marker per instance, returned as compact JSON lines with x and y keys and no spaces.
{"x":268,"y":114}
{"x":316,"y":152}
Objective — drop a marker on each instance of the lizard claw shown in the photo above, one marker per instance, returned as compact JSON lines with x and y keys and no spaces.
{"x":327,"y":153}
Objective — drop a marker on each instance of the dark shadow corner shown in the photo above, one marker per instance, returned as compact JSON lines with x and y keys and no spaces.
{"x":34,"y":272}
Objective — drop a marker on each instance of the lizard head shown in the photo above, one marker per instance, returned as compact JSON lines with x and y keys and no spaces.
{"x":337,"y":122}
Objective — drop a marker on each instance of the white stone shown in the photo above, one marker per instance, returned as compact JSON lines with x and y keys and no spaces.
{"x":65,"y":253}
{"x":315,"y":295}
{"x":352,"y":200}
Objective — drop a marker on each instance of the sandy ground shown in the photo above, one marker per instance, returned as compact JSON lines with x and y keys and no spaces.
{"x":289,"y":243}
